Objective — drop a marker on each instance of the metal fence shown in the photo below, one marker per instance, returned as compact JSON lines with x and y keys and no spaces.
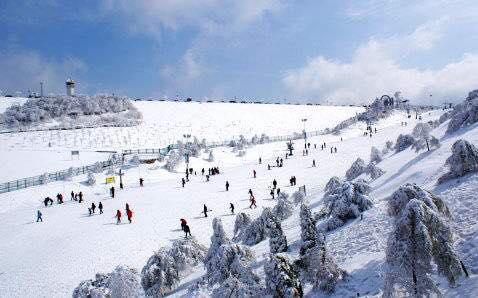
{"x":75,"y":171}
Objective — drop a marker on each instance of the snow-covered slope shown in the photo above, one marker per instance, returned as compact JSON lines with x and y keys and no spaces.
{"x":49,"y":259}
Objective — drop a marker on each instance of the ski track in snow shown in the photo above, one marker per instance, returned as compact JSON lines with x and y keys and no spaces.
{"x":49,"y":259}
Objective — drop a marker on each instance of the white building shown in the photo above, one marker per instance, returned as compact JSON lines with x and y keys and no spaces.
{"x":70,"y":87}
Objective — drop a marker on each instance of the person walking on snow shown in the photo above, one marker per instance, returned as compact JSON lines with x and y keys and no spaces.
{"x":205,"y":210}
{"x":100,"y":206}
{"x":72,"y":196}
{"x":118,"y":217}
{"x":231,"y":206}
{"x":254,"y":173}
{"x":80,"y":197}
{"x":202,"y":171}
{"x":250,"y":192}
{"x":313,"y":163}
{"x":183,"y":182}
{"x":278,"y":192}
{"x":183,"y":223}
{"x":253,"y":202}
{"x":39,"y":216}
{"x":129,"y":213}
{"x":112,"y":192}
{"x":93,"y":207}
{"x":272,"y":193}
{"x":260,"y":160}
{"x":141,"y":180}
{"x":274,"y":183}
{"x":227,"y":185}
{"x":187,"y":231}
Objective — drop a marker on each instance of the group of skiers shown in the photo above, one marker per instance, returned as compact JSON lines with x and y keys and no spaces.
{"x":92,"y":209}
{"x":76,"y":196}
{"x":129,"y":214}
{"x":293,"y":181}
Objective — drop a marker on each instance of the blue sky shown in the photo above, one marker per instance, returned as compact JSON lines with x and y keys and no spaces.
{"x":337,"y":51}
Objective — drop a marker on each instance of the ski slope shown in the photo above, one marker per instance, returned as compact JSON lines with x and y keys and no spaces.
{"x":49,"y":259}
{"x":164,"y":123}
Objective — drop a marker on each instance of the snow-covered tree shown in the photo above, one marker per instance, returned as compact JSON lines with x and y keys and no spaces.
{"x":284,"y":208}
{"x":90,"y":179}
{"x":332,"y":184}
{"x":228,"y":265}
{"x":463,"y":160}
{"x":258,"y":230}
{"x":389,"y":145}
{"x":421,"y":235}
{"x":173,"y":160}
{"x":277,"y":239}
{"x":403,"y":142}
{"x":465,"y":113}
{"x":315,"y":263}
{"x":356,"y":169}
{"x":375,"y":155}
{"x":97,"y":167}
{"x":298,"y":197}
{"x":374,"y":171}
{"x":346,"y":202}
{"x":282,"y":278}
{"x":423,"y":139}
{"x":211,"y":156}
{"x":123,"y":282}
{"x":242,"y":221}
{"x":163,"y":270}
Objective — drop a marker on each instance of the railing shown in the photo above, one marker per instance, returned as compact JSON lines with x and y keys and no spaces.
{"x":75,"y":171}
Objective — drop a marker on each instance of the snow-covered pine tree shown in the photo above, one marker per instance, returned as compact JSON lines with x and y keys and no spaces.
{"x":163,"y":270}
{"x":90,"y":179}
{"x":308,"y":231}
{"x":463,"y":160}
{"x":173,"y":160}
{"x":328,"y":272}
{"x":348,"y":201}
{"x":284,"y":208}
{"x":97,"y":167}
{"x":356,"y":169}
{"x":375,"y":155}
{"x":421,"y":234}
{"x":242,"y":221}
{"x":258,"y":230}
{"x":332,"y":185}
{"x":374,"y":171}
{"x":123,"y":282}
{"x":423,"y":139}
{"x":465,"y":113}
{"x":403,"y":142}
{"x":277,"y":239}
{"x":282,"y":278}
{"x":298,"y":197}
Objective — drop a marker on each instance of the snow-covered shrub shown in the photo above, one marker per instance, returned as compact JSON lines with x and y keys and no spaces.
{"x":356,"y":169}
{"x":164,"y":269}
{"x":403,"y":142}
{"x":463,"y":160}
{"x":332,"y":184}
{"x":228,"y":264}
{"x":374,"y":171}
{"x":90,"y":179}
{"x":421,"y":235}
{"x":238,"y":287}
{"x":282,"y":278}
{"x":211,"y":156}
{"x":283,"y":209}
{"x":97,"y":167}
{"x":242,"y":221}
{"x":44,"y":178}
{"x":348,"y":201}
{"x":315,"y":263}
{"x":123,"y":282}
{"x":173,"y":161}
{"x":465,"y":113}
{"x":134,"y":161}
{"x":298,"y":197}
{"x":375,"y":155}
{"x":423,"y":139}
{"x":389,"y":145}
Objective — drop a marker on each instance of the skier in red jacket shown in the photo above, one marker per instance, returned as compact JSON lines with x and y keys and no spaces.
{"x":118,"y":216}
{"x":129,"y":213}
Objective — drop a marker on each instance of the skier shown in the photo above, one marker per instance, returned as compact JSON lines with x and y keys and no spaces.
{"x":260,"y":160}
{"x":118,"y":216}
{"x":187,"y":231}
{"x":141,"y":180}
{"x":277,"y":162}
{"x":39,"y":216}
{"x":76,"y":197}
{"x":281,"y":162}
{"x":72,"y":196}
{"x":80,"y":196}
{"x":250,"y":192}
{"x":205,"y":210}
{"x":207,"y":178}
{"x":112,"y":192}
{"x":335,"y":149}
{"x":100,"y":206}
{"x":331,"y":149}
{"x":278,"y":192}
{"x":231,"y":206}
{"x":129,"y":213}
{"x":93,"y":207}
{"x":254,"y":173}
{"x":89,"y":211}
{"x":46,"y":200}
{"x":269,"y":167}
{"x":127,"y":207}
{"x":227,"y":185}
{"x":272,"y":193}
{"x":183,"y":181}
{"x":183,"y":223}
{"x":274,"y":183}
{"x":313,"y":163}
{"x":253,"y":202}
{"x":202,"y":171}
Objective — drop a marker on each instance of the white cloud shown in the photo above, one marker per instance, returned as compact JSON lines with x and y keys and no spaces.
{"x":24,"y":70}
{"x":374,"y":70}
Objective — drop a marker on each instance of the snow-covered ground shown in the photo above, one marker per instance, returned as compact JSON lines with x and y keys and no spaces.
{"x":164,"y":123}
{"x":49,"y":259}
